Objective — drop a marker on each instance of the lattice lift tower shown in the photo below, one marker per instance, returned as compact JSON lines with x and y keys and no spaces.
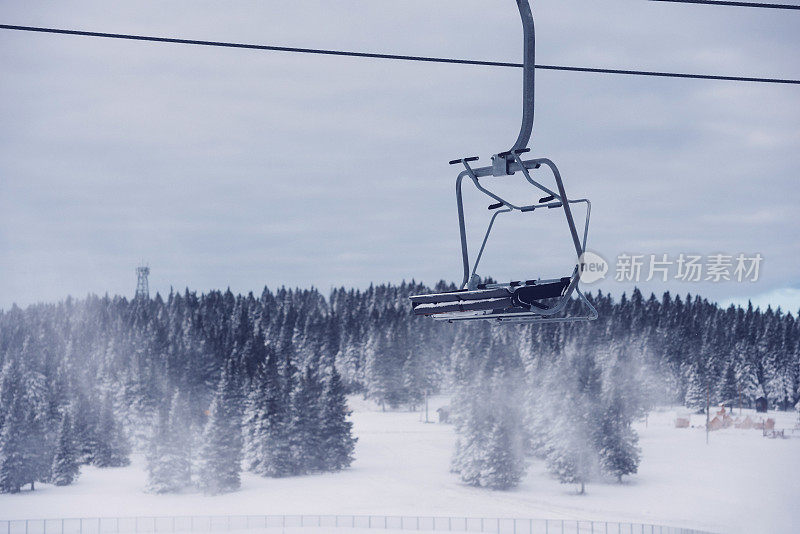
{"x":142,"y":287}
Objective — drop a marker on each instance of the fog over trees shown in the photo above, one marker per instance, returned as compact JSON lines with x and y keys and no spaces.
{"x":205,"y":385}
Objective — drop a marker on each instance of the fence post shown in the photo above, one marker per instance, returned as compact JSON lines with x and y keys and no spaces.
{"x":481,"y":524}
{"x":80,"y":525}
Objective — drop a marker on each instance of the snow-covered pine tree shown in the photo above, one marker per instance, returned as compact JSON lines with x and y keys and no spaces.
{"x":84,"y":427}
{"x":570,"y":450}
{"x":305,"y":428}
{"x":503,"y":465}
{"x":570,"y":454}
{"x":180,"y":440}
{"x":267,"y":451}
{"x":622,"y":401}
{"x":414,"y":379}
{"x":696,"y":389}
{"x":221,"y":452}
{"x":472,"y":427}
{"x":470,"y":411}
{"x":489,"y":452}
{"x":169,"y":449}
{"x":338,"y":442}
{"x":13,"y":467}
{"x":729,"y":391}
{"x":158,"y":479}
{"x":616,"y":441}
{"x":66,"y":467}
{"x":40,"y":437}
{"x":377,"y":367}
{"x":254,"y":418}
{"x":112,"y":448}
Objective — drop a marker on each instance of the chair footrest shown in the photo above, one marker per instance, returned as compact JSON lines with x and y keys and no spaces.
{"x":463,"y":306}
{"x":456,"y":296}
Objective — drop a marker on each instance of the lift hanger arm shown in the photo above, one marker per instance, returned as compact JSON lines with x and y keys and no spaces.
{"x":528,"y":73}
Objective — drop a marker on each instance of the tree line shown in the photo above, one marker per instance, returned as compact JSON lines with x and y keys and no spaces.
{"x":207,"y":384}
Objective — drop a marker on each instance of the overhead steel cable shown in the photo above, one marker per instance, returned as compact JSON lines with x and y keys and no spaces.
{"x":427,"y":59}
{"x":733,"y":4}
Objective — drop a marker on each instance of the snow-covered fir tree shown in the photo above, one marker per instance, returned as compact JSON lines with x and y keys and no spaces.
{"x":112,"y":447}
{"x":336,"y":431}
{"x":266,"y":423}
{"x":14,"y":467}
{"x":489,"y":452}
{"x":221,"y":451}
{"x":504,"y":465}
{"x":617,"y":443}
{"x":169,"y":454}
{"x":66,"y":466}
{"x":305,"y":426}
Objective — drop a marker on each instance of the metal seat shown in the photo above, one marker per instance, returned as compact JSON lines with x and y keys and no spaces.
{"x":533,"y":300}
{"x":520,"y":295}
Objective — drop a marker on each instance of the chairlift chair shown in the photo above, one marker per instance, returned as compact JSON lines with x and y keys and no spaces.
{"x":528,"y":301}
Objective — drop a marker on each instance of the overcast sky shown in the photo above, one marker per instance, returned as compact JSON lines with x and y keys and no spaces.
{"x":236,"y":168}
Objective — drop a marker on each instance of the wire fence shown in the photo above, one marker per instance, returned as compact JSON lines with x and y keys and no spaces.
{"x":328,"y":523}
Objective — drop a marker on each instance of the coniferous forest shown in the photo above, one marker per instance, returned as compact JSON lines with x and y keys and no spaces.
{"x":208,"y":385}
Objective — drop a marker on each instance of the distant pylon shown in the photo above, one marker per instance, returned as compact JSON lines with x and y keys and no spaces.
{"x":142,"y":287}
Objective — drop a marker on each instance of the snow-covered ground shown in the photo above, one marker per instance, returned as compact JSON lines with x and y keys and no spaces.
{"x":739,"y":482}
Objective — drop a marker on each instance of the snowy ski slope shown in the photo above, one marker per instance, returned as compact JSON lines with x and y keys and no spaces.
{"x":740,"y":482}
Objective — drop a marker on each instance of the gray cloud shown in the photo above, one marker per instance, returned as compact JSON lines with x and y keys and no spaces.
{"x":241,"y":168}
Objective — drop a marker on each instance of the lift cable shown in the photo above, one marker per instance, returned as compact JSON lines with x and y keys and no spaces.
{"x":732,"y":4}
{"x":426,"y":59}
